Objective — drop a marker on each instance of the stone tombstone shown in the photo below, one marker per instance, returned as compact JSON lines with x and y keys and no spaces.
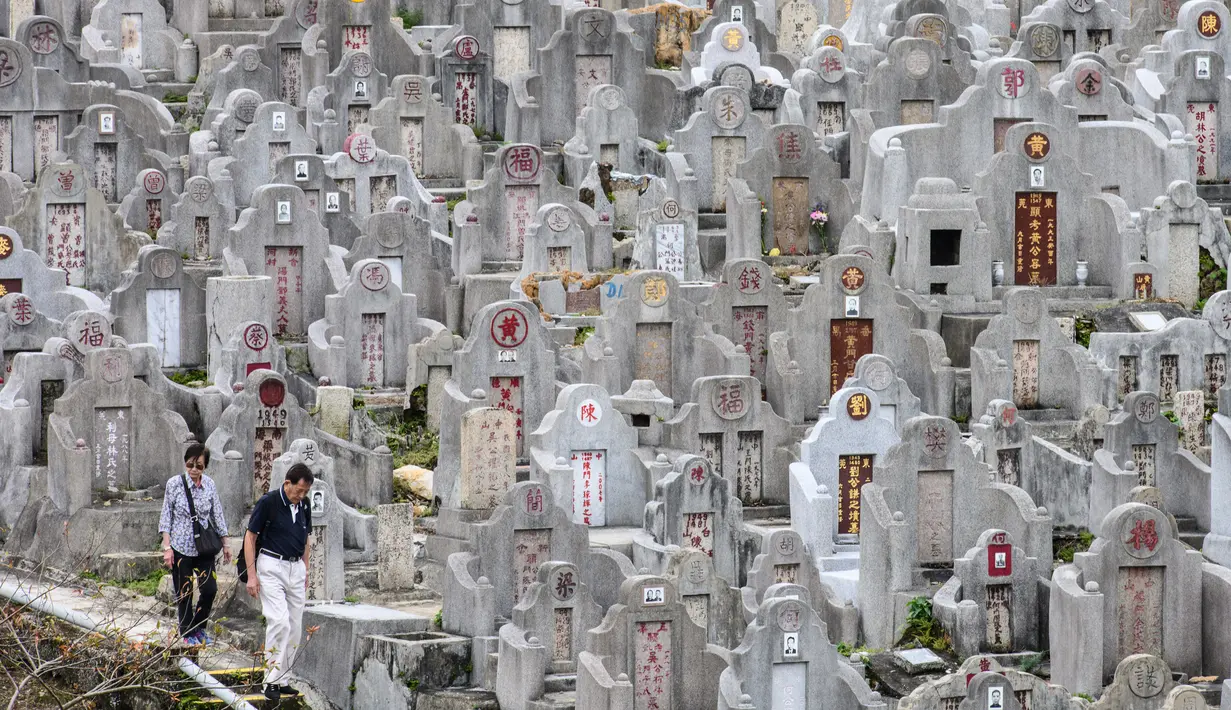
{"x":557,"y":610}
{"x":710,"y":600}
{"x":326,"y":197}
{"x":593,"y":49}
{"x":1190,"y":409}
{"x":1152,"y":583}
{"x":693,"y":509}
{"x":797,"y":20}
{"x":108,"y":149}
{"x":839,"y":455}
{"x":488,"y":457}
{"x":464,"y":73}
{"x":667,"y":240}
{"x":786,"y":660}
{"x":415,"y":257}
{"x":395,"y":546}
{"x":796,"y":179}
{"x":991,"y":602}
{"x":524,"y":531}
{"x":326,"y":578}
{"x":1177,"y":227}
{"x":138,"y":28}
{"x":412,"y":122}
{"x":132,"y":437}
{"x":1142,"y":441}
{"x":148,"y":205}
{"x":726,"y":422}
{"x":23,"y":270}
{"x":507,"y":362}
{"x":716,"y":139}
{"x":647,"y":653}
{"x":943,"y":498}
{"x":45,"y":37}
{"x":1023,"y":356}
{"x":879,"y":374}
{"x":954,"y":690}
{"x":1141,"y":681}
{"x":356,"y":85}
{"x":654,"y":333}
{"x":248,"y":347}
{"x":746,"y":307}
{"x":281,"y":237}
{"x":160,"y":303}
{"x":371,"y":177}
{"x":606,"y":133}
{"x":198,"y":222}
{"x":75,"y":229}
{"x":509,"y":198}
{"x":856,"y":310}
{"x":259,"y":424}
{"x":555,"y":242}
{"x":604,"y":484}
{"x":273,"y":133}
{"x":369,"y":311}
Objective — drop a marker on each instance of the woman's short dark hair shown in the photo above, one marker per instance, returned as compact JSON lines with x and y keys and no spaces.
{"x":299,"y":472}
{"x":195,"y":450}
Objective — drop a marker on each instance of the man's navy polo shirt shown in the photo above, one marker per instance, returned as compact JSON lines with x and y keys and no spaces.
{"x":283,"y":535}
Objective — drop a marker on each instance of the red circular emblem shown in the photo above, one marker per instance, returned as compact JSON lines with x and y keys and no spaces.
{"x":852,"y":279}
{"x":522,"y":162}
{"x":272,"y":393}
{"x":154,"y":182}
{"x":509,"y":328}
{"x":466,"y":47}
{"x":256,"y":336}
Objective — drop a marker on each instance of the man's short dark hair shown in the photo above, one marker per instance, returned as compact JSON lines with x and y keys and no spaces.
{"x":299,"y":472}
{"x":195,"y":450}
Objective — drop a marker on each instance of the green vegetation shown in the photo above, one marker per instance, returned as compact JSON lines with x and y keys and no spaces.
{"x":1067,"y":549}
{"x":1213,"y":278}
{"x":438,"y":619}
{"x":662,"y":145}
{"x":454,"y":202}
{"x":922,"y":629}
{"x":583,"y":333}
{"x":960,"y":418}
{"x":411,"y":441}
{"x":412,"y":683}
{"x":1084,"y":696}
{"x":350,"y":599}
{"x":846,"y":649}
{"x":189,"y":377}
{"x":1084,"y":327}
{"x":1033,"y":662}
{"x":485,"y":135}
{"x":148,"y":585}
{"x":92,"y":576}
{"x":409,"y":18}
{"x":174,"y":98}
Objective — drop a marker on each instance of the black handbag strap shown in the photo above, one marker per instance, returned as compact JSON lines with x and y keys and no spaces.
{"x":192,"y":508}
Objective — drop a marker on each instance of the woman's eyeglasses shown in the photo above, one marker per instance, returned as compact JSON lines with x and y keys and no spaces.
{"x":194,"y":465}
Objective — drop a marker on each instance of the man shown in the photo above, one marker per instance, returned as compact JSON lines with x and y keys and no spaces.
{"x":276,"y":551}
{"x":179,"y":549}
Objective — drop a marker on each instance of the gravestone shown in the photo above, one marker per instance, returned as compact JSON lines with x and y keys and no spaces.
{"x":160,"y":303}
{"x":412,"y":122}
{"x":667,"y":240}
{"x":198,"y":222}
{"x":746,"y":442}
{"x":1151,"y":583}
{"x":693,"y":509}
{"x":503,"y":555}
{"x":604,"y":484}
{"x":148,"y":205}
{"x":647,"y":653}
{"x":991,"y":601}
{"x":326,"y":578}
{"x":786,"y":660}
{"x":711,"y":601}
{"x":395,"y":546}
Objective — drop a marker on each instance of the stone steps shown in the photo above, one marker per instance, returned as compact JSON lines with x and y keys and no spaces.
{"x":560,"y":683}
{"x":1190,"y":534}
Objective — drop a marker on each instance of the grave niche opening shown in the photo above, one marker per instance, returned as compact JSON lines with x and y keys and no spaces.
{"x":946,"y":247}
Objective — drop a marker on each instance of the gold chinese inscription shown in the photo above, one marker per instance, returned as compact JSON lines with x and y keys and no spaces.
{"x":1034,"y":228}
{"x":849,"y":340}
{"x":854,"y":470}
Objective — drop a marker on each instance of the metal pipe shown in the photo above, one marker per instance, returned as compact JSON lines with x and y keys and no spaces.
{"x":14,"y":592}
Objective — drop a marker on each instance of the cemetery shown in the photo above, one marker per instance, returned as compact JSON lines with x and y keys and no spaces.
{"x":636,"y":354}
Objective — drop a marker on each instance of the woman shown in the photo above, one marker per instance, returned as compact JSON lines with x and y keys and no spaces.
{"x":179,"y":551}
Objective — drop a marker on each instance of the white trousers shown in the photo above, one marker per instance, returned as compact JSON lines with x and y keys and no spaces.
{"x":283,"y":593}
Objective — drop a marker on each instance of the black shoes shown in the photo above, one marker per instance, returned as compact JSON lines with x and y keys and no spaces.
{"x":277,"y":692}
